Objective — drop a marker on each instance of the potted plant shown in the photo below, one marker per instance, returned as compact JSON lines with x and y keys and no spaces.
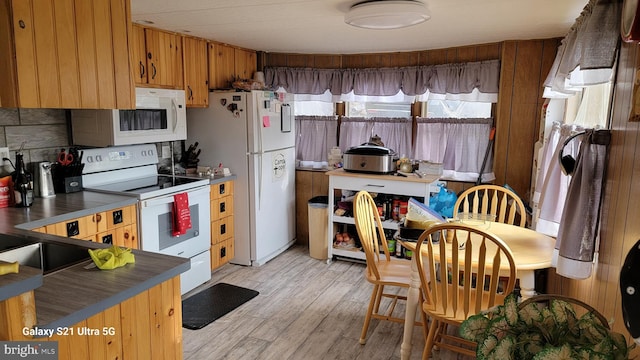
{"x":541,"y":330}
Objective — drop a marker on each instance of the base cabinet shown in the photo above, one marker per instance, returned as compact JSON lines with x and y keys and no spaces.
{"x":117,"y":226}
{"x":222,"y":232}
{"x":146,"y":326}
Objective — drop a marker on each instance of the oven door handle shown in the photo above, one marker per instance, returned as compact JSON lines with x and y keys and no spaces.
{"x":169,"y":198}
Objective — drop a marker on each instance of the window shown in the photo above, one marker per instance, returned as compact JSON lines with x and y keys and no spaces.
{"x":320,"y":108}
{"x":456,"y":109}
{"x":378,"y":109}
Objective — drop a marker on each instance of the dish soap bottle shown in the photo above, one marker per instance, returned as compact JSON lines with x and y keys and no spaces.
{"x":22,"y":183}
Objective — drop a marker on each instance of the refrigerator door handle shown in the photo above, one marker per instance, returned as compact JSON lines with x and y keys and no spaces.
{"x":259,"y":180}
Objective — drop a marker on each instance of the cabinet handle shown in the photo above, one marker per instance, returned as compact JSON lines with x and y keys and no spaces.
{"x":126,"y":235}
{"x":141,"y":70}
{"x":190,"y":92}
{"x":153,"y":67}
{"x":21,"y":24}
{"x":97,"y":218}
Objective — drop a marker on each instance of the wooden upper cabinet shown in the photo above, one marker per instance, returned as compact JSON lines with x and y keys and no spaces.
{"x":221,"y":66}
{"x":245,"y":64}
{"x":164,"y":58}
{"x":227,"y":64}
{"x":196,"y":77}
{"x":65,"y":54}
{"x":138,"y":55}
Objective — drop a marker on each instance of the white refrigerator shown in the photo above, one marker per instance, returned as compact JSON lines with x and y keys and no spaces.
{"x":252,"y":133}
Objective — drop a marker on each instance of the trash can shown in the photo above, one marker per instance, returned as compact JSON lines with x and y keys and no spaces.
{"x":318,"y":223}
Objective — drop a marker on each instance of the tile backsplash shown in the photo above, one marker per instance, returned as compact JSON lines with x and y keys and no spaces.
{"x":43,"y":131}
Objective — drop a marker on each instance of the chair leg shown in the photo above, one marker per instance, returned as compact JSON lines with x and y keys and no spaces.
{"x":367,"y":319}
{"x":435,"y":325}
{"x":380,"y":291}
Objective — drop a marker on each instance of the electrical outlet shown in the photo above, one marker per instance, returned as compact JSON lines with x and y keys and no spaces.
{"x":4,"y":153}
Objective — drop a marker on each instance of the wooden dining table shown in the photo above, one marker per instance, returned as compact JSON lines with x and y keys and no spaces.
{"x":531,"y":251}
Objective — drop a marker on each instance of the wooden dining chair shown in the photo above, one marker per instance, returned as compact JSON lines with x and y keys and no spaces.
{"x":485,"y":273}
{"x":505,"y":205}
{"x":382,"y":270}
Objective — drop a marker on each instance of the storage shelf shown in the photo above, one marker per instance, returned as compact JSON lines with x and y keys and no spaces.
{"x":387,"y":224}
{"x":380,"y":184}
{"x":354,"y":253}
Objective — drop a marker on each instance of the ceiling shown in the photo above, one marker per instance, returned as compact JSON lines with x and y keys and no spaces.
{"x":317,"y":26}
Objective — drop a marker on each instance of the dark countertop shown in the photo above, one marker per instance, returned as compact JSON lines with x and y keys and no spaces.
{"x":74,"y":293}
{"x":213,"y":180}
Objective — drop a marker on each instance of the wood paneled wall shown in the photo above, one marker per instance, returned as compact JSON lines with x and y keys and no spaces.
{"x":308,"y":185}
{"x":620,"y":228}
{"x":524,"y":67}
{"x":359,"y":61}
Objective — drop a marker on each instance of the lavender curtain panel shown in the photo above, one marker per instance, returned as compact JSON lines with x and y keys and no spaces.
{"x":315,"y":136}
{"x":458,"y":144}
{"x":576,"y":242}
{"x":587,"y":53}
{"x":460,"y":78}
{"x":394,"y":132}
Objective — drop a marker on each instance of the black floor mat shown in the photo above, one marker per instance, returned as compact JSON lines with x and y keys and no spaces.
{"x":213,"y":303}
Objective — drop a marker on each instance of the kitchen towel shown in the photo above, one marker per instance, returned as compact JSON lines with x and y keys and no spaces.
{"x":111,"y":258}
{"x":181,"y":214}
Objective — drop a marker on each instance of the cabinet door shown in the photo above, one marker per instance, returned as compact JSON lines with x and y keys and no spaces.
{"x":195,"y":72}
{"x":139,"y":55}
{"x":245,"y":63}
{"x":164,"y":58}
{"x":69,"y":54}
{"x":221,"y":66}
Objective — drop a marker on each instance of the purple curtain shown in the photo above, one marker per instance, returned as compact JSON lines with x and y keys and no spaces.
{"x":460,"y":78}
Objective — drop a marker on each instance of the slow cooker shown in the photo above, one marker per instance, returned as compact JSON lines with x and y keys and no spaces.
{"x":369,"y":158}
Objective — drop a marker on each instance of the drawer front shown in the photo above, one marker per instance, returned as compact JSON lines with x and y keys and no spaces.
{"x":80,"y":228}
{"x":407,"y":188}
{"x":222,"y":207}
{"x":120,"y":217}
{"x":221,"y":229}
{"x":221,"y":189}
{"x":222,"y":253}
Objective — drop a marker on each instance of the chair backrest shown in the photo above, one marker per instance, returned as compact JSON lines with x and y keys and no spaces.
{"x":495,"y":200}
{"x":370,"y":230}
{"x":477,"y":272}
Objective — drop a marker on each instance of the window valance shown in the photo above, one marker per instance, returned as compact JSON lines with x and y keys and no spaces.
{"x":586,"y":55}
{"x":461,"y":78}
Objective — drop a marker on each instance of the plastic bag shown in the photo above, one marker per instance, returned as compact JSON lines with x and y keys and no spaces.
{"x":443,"y":201}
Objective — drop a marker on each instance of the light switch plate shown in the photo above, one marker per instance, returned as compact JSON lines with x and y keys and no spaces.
{"x":166,"y":152}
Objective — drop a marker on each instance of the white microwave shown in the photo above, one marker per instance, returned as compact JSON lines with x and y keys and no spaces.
{"x":160,"y":115}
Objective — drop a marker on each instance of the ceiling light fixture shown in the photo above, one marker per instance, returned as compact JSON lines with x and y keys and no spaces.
{"x":387,"y":14}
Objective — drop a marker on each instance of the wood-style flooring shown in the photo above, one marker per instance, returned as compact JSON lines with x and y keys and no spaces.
{"x":306,"y":309}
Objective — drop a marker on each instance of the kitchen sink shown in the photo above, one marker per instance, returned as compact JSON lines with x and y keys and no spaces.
{"x":47,"y":256}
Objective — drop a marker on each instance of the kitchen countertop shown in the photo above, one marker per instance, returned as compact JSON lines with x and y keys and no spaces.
{"x":409,"y":177}
{"x":72,"y":294}
{"x":213,"y":180}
